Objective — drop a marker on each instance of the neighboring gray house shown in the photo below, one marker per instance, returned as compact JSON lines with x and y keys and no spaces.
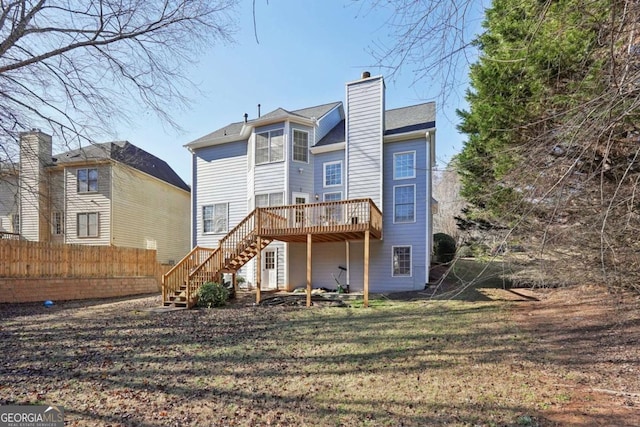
{"x":313,"y":162}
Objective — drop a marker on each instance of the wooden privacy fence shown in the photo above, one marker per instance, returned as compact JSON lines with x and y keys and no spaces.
{"x":20,"y":259}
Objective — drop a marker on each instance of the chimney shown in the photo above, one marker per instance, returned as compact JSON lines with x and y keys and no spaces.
{"x":258,"y":110}
{"x":246,"y":117}
{"x":35,"y":155}
{"x":364,"y":136}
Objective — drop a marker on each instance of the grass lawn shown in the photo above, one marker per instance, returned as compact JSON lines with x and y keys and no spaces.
{"x":400,"y":363}
{"x":415,"y":363}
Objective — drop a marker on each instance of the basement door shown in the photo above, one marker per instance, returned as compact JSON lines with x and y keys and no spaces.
{"x":270,"y":269}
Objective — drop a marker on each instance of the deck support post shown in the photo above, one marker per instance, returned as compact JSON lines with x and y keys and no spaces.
{"x":258,"y":269}
{"x":234,"y":282}
{"x":347,"y":251}
{"x":366,"y":268}
{"x":309,"y":244}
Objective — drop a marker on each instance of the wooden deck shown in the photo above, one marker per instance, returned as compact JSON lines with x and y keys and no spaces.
{"x":339,"y":221}
{"x":325,"y":222}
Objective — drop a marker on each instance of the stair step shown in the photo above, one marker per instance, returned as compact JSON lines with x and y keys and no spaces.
{"x":175,"y":304}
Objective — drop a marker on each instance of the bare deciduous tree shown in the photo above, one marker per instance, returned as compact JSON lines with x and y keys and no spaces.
{"x":446,"y":190}
{"x":77,"y":67}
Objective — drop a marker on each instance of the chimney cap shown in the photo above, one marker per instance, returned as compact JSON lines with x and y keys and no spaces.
{"x":366,"y":74}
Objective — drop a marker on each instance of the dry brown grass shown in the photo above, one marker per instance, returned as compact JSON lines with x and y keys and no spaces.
{"x":417,"y":363}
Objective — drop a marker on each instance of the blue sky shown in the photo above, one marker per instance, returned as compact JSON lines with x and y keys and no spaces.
{"x":306,"y":53}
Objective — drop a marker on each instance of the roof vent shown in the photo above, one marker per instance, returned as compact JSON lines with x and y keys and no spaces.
{"x":246,"y":117}
{"x":366,"y":74}
{"x":259,"y":111}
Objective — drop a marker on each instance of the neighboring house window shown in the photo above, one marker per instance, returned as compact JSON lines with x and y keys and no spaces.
{"x":404,"y":165}
{"x":404,"y":203}
{"x":300,"y":146}
{"x":87,"y":180}
{"x":270,"y":146}
{"x":57,"y":225}
{"x":215,"y":218}
{"x":272,"y":199}
{"x":401,"y":258}
{"x":333,"y":174}
{"x":88,"y":224}
{"x":15,"y":223}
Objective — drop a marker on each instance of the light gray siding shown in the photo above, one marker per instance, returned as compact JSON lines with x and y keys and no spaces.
{"x":365,"y":127}
{"x":403,"y":234}
{"x":328,"y":122}
{"x":301,"y":174}
{"x":319,"y":161}
{"x":326,"y":258}
{"x":269,"y":178}
{"x":221,"y":177}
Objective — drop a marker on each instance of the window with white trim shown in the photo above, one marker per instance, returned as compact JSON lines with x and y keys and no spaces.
{"x":57,"y":223}
{"x":404,"y":203}
{"x":401,"y":258}
{"x":404,"y":165}
{"x":332,"y":197}
{"x":87,"y":224}
{"x":300,"y":146}
{"x":270,"y":199}
{"x":332,"y":213}
{"x":87,"y":180}
{"x":332,"y":174}
{"x":215,"y":218}
{"x":269,"y":146}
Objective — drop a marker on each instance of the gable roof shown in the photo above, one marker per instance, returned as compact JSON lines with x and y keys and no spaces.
{"x":335,"y":135}
{"x":238,"y":130}
{"x":318,"y":111}
{"x":126,"y":153}
{"x":396,"y":121}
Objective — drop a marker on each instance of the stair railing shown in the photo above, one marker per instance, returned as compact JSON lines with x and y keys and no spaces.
{"x":178,"y":276}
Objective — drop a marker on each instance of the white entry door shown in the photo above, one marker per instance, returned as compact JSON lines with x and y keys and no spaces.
{"x":270,"y":269}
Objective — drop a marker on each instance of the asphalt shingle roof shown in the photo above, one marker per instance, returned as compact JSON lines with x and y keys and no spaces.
{"x":398,"y":120}
{"x":128,"y":154}
{"x":409,"y":119}
{"x":234,"y":129}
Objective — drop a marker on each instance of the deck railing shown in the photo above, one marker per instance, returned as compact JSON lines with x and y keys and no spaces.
{"x":342,"y":216}
{"x":258,"y":229}
{"x":9,"y":236}
{"x":178,"y":276}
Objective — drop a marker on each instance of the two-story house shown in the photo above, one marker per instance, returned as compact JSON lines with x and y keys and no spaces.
{"x":104,"y":194}
{"x":340,"y":193}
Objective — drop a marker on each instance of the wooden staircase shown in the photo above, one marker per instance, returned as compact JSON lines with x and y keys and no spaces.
{"x":326,"y":221}
{"x":180,"y":284}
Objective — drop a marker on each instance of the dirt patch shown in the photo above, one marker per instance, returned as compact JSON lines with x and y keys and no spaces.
{"x":588,"y":342}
